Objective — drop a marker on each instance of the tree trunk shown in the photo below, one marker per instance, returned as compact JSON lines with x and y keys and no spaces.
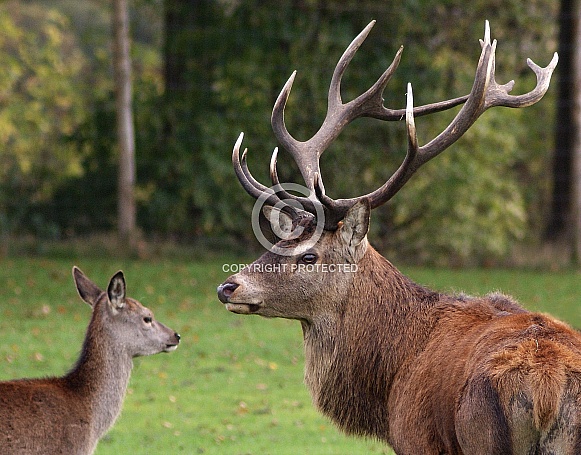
{"x":576,"y":127}
{"x":125,"y":130}
{"x":557,"y":228}
{"x":564,"y":225}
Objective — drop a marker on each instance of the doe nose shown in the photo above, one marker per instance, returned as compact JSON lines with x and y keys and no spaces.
{"x":178,"y":337}
{"x":225,"y":290}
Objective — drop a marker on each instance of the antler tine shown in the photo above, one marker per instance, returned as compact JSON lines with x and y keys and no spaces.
{"x":298,"y":202}
{"x":472,"y":109}
{"x":399,"y":177}
{"x":487,"y":93}
{"x":334,"y":97}
{"x":277,"y":118}
{"x":295,"y":147}
{"x":272,"y":168}
{"x":336,"y":209}
{"x":252,"y":186}
{"x":526,"y":99}
{"x":371,"y":102}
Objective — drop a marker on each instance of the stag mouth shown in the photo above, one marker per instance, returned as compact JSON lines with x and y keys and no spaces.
{"x":242,"y":308}
{"x":226,"y":295}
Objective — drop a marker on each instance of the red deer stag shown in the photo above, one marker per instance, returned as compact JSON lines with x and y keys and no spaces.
{"x":68,"y":415}
{"x":426,"y":372}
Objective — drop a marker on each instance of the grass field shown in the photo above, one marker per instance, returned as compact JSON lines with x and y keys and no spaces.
{"x":235,"y":385}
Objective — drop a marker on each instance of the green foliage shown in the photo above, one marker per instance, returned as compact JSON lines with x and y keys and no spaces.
{"x":472,"y":202}
{"x":459,"y":210}
{"x":41,"y":105}
{"x":217,"y":71}
{"x":76,"y":194}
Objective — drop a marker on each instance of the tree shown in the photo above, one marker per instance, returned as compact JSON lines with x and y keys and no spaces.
{"x":576,"y":143}
{"x":564,"y":225}
{"x":218,"y":70}
{"x":125,"y":129}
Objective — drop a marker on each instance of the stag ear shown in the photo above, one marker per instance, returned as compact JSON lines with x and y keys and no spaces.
{"x":88,"y":291}
{"x":281,"y":223}
{"x":355,"y":225}
{"x":116,"y":291}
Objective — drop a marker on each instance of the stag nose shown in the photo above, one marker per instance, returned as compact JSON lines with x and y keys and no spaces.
{"x":225,"y":291}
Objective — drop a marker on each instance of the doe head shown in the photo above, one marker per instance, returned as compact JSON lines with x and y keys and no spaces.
{"x":123,"y":321}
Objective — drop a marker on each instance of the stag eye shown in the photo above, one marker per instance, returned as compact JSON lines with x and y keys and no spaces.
{"x":309,"y":258}
{"x":147,"y":320}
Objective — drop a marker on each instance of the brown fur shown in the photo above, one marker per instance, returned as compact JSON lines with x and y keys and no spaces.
{"x":68,"y":415}
{"x":426,"y":372}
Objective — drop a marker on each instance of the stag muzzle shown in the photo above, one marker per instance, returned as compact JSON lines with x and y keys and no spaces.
{"x":237,"y":304}
{"x":225,"y":291}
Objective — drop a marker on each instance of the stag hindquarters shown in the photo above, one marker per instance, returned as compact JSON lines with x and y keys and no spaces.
{"x":490,"y":383}
{"x":486,"y":425}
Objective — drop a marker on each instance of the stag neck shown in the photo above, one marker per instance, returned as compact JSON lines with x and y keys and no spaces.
{"x":378,"y":288}
{"x":385,"y":324}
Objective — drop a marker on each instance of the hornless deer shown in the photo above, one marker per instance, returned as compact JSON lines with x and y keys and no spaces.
{"x":426,"y":372}
{"x":68,"y":415}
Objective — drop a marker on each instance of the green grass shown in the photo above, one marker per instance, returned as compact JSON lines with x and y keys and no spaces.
{"x":235,"y":385}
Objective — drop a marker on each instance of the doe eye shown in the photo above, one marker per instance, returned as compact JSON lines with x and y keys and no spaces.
{"x":309,"y":258}
{"x":147,"y":320}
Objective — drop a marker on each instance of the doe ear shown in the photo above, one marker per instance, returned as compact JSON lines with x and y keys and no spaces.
{"x":88,"y":291}
{"x":116,"y":291}
{"x":355,"y":225}
{"x":281,"y":223}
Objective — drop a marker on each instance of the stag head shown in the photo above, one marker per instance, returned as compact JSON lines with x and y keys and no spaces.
{"x":320,"y":231}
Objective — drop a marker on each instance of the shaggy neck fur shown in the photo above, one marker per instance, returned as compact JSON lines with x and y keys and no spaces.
{"x":352,"y":357}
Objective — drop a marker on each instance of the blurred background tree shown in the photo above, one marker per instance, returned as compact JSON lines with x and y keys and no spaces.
{"x":564,"y":222}
{"x":206,"y":70}
{"x":126,"y":211}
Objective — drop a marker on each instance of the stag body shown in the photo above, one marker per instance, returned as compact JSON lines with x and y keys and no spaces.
{"x":68,"y":415}
{"x":426,"y":372}
{"x":423,"y":371}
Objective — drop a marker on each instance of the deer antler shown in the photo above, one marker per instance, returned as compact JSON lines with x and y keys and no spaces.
{"x":485,"y":93}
